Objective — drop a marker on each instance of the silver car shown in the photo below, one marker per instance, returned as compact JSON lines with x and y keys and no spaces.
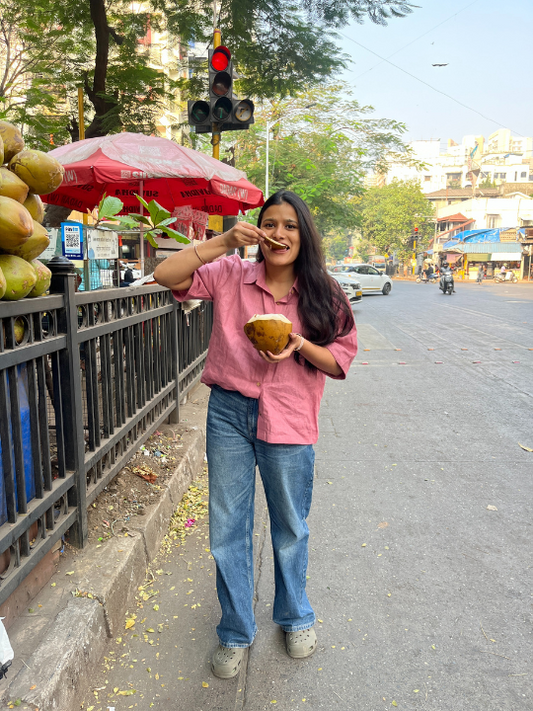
{"x":368,"y":276}
{"x":351,"y":287}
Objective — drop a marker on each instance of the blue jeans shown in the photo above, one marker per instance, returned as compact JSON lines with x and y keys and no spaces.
{"x":287,"y":470}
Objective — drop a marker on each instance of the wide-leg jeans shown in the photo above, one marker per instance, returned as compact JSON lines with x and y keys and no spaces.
{"x":286,"y":470}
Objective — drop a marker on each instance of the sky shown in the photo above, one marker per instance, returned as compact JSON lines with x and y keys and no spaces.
{"x":486,"y":45}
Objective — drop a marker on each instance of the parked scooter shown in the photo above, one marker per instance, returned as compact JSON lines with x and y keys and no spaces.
{"x":446,"y":283}
{"x":508,"y":276}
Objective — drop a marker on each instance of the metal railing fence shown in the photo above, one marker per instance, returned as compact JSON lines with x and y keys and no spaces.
{"x":85,"y":379}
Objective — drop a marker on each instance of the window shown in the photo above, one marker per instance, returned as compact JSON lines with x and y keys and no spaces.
{"x":427,"y":178}
{"x":493,"y":221}
{"x":523,"y":175}
{"x":373,"y":271}
{"x":362,"y":270}
{"x":500,"y":176}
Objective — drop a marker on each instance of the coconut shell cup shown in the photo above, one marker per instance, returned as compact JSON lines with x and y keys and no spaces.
{"x":269,"y":332}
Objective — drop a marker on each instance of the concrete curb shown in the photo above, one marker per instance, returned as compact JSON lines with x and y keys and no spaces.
{"x":58,"y":672}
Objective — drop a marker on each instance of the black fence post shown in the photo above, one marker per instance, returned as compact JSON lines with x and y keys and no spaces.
{"x":69,"y":412}
{"x":175,"y":365}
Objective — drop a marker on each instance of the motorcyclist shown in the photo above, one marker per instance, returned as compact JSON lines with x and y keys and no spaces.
{"x":446,"y":269}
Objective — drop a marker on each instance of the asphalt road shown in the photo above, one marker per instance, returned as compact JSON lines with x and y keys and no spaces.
{"x":421,"y":533}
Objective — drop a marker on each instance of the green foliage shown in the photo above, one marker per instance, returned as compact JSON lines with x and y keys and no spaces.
{"x":486,"y":183}
{"x":157,"y":222}
{"x":314,"y":154}
{"x":389,"y":215}
{"x":335,"y":246}
{"x":48,"y":48}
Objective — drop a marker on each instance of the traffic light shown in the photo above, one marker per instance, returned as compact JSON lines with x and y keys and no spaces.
{"x":220,"y":69}
{"x":199,"y":116}
{"x":223,"y":109}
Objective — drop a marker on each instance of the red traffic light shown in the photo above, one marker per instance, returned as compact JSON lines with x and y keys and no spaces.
{"x":416,"y":229}
{"x":221,"y":58}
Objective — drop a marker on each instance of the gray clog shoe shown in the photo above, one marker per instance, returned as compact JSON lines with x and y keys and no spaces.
{"x":226,"y":661}
{"x":301,"y":644}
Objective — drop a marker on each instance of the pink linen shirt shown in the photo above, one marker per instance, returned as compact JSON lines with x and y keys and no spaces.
{"x":289,"y":394}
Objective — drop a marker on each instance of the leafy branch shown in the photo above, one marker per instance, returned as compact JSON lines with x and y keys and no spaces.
{"x":155,"y":223}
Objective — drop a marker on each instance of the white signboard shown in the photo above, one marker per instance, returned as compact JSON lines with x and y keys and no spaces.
{"x":102,"y":244}
{"x":52,"y":249}
{"x":168,"y":244}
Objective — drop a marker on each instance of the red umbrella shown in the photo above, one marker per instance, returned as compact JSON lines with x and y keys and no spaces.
{"x":124,"y":164}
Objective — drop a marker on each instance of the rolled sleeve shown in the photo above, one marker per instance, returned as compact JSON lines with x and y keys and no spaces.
{"x":207,"y":279}
{"x":344,"y":350}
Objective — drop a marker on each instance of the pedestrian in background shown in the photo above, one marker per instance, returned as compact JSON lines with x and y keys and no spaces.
{"x":263,"y":408}
{"x":480,"y":274}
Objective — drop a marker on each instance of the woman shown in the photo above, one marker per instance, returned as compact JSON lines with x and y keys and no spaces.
{"x":263,"y":408}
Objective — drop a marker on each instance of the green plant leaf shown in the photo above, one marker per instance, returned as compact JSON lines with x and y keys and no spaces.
{"x":109,"y":207}
{"x":143,"y":202}
{"x":141,"y":218}
{"x":157,"y":212}
{"x":166,"y":222}
{"x":150,"y":237}
{"x":175,"y":235}
{"x":127,"y":221}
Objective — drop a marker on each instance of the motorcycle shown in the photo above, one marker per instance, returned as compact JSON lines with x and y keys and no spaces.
{"x":446,"y":283}
{"x":432,"y":278}
{"x":509,"y":276}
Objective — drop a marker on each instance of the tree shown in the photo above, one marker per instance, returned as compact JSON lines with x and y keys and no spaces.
{"x":313,"y":154}
{"x":335,"y":246}
{"x":486,"y":182}
{"x":51,"y":48}
{"x":104,"y":46}
{"x":390,"y":214}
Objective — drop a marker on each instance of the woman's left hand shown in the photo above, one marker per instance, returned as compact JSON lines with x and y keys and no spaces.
{"x":294,"y":342}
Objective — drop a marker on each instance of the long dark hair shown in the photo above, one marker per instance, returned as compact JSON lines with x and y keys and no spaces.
{"x":322,"y":306}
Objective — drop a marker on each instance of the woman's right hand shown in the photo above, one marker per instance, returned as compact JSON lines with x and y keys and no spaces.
{"x":243,"y":234}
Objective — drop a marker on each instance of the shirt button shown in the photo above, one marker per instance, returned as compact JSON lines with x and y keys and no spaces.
{"x":258,"y":385}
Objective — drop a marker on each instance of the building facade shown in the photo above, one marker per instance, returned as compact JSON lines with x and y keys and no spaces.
{"x":475,"y":162}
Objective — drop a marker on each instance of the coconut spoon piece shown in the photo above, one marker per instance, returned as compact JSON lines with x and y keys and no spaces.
{"x":273,"y":244}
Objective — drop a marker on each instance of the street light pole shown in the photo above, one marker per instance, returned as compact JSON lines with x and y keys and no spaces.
{"x":269,"y":126}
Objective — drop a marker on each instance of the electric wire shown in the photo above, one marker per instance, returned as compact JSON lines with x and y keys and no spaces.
{"x":443,"y":93}
{"x":417,"y":38}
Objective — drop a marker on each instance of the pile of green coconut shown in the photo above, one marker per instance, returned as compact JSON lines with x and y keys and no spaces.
{"x":25,"y":174}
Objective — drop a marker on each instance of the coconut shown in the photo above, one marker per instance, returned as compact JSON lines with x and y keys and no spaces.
{"x":12,"y":138}
{"x":16,"y":224}
{"x":269,"y":332}
{"x":34,"y":205}
{"x":19,"y":328}
{"x":44,"y":276}
{"x":34,"y":246}
{"x":20,"y":277}
{"x":3,"y":284}
{"x":39,"y":170}
{"x":12,"y":186}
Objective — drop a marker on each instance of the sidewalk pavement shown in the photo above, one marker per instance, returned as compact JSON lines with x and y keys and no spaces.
{"x":421,"y":588}
{"x":60,"y":641}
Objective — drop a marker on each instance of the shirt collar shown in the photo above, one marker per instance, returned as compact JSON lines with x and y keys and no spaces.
{"x":256,"y":274}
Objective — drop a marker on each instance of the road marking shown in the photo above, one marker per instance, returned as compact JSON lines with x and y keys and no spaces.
{"x":481,"y":313}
